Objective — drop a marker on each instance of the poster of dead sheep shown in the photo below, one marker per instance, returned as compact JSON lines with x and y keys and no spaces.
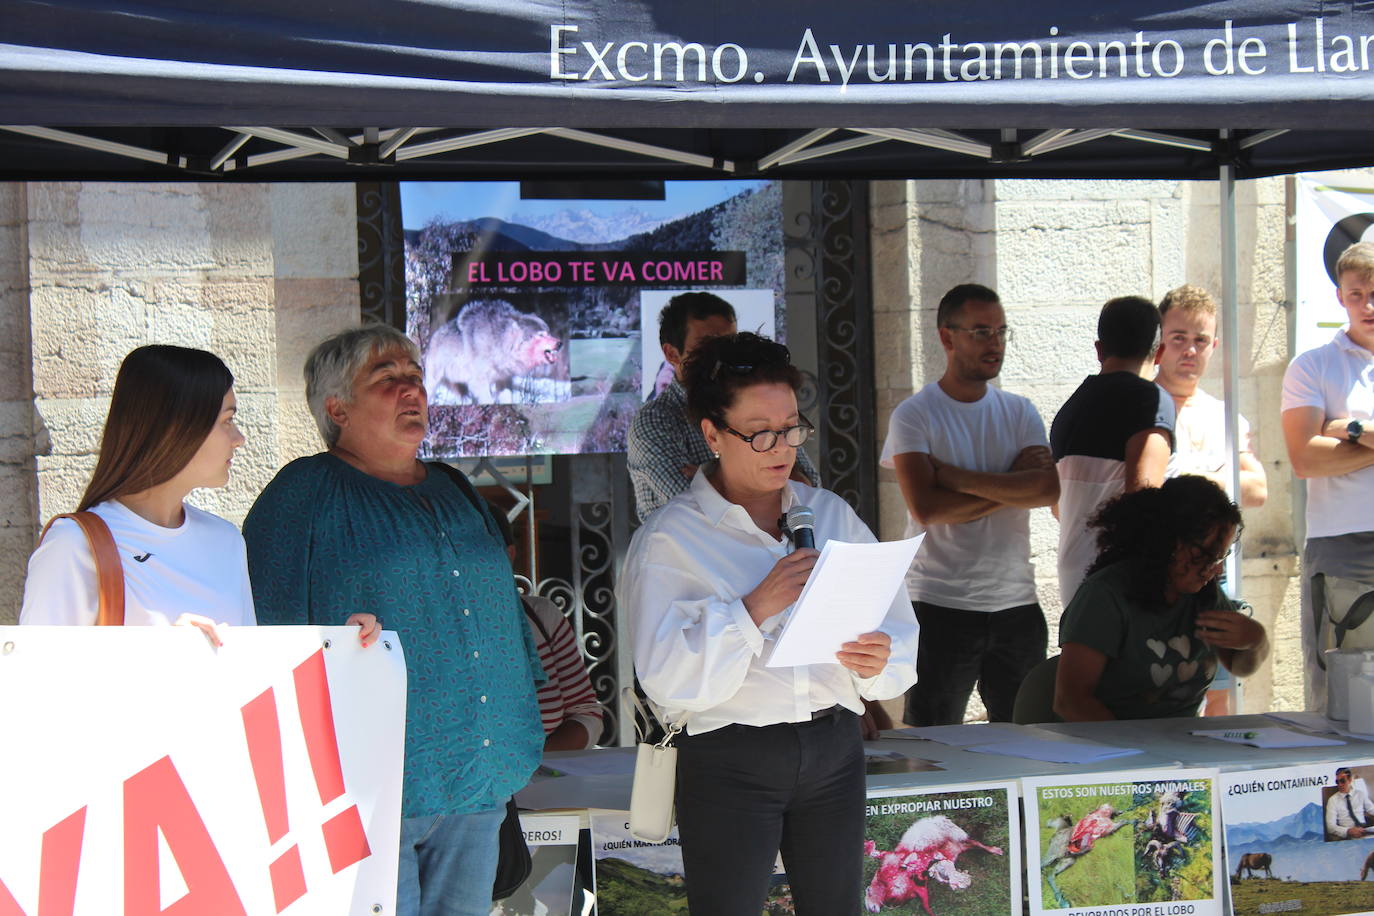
{"x":1137,"y":843}
{"x":946,"y":851}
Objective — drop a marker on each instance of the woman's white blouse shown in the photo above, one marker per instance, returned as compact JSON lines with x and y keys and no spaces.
{"x":696,"y":649}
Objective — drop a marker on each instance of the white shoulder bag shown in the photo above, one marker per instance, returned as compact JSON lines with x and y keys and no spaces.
{"x":651,"y":799}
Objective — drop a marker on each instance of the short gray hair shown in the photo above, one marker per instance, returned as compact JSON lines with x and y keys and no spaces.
{"x":333,"y":366}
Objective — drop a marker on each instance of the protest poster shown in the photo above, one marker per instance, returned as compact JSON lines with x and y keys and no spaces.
{"x":634,"y":877}
{"x":951,"y":849}
{"x":1137,"y":843}
{"x":1330,"y":217}
{"x":1290,"y":846}
{"x":153,"y":774}
{"x":754,"y":311}
{"x":528,"y":312}
{"x":548,"y":891}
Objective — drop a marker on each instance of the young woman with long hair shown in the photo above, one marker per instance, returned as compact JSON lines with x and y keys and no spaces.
{"x":170,"y":430}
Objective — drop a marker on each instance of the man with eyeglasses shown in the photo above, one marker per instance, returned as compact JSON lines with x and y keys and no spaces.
{"x":972,"y":461}
{"x":664,"y":447}
{"x":1113,"y":435}
{"x":1349,"y":812}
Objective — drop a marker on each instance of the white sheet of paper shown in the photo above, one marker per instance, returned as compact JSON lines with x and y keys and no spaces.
{"x":1265,"y":737}
{"x":1054,"y":751}
{"x":1313,"y":722}
{"x":968,"y":735}
{"x":850,"y":592}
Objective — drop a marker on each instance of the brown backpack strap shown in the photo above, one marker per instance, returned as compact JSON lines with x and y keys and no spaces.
{"x":109,"y":569}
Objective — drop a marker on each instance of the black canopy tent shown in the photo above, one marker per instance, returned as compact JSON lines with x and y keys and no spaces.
{"x":255,"y":90}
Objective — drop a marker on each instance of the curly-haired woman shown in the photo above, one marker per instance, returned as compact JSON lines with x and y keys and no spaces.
{"x":1143,"y":635}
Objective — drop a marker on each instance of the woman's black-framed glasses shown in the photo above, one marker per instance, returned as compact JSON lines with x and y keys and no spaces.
{"x":1205,"y":555}
{"x":766,"y":439}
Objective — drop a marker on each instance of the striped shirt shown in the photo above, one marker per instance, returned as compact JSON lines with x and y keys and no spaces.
{"x":663,"y":441}
{"x":568,"y":693}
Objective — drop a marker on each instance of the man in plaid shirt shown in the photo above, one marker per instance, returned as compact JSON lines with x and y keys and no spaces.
{"x":665,"y":446}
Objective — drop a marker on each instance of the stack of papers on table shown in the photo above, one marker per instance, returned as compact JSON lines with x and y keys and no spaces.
{"x":884,"y":763}
{"x":1272,"y":737}
{"x":1313,"y":722}
{"x":1054,"y":750}
{"x":1316,"y":722}
{"x":966,"y":735}
{"x":1010,"y":740}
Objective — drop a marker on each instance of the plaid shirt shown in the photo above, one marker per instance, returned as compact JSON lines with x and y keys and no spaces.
{"x":663,"y":441}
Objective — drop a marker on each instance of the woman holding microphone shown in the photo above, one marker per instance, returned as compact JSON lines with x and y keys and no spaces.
{"x":770,"y":759}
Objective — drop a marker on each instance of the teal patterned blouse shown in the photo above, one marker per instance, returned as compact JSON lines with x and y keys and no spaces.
{"x":326,"y":540}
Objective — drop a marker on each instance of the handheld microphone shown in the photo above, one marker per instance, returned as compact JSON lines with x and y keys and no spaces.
{"x":801,"y":522}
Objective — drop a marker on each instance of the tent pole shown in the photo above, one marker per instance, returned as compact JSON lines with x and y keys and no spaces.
{"x":1230,"y":345}
{"x":1230,"y":357}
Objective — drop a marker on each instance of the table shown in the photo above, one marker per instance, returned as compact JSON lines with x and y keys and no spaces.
{"x":1170,"y":738}
{"x":1165,"y":745}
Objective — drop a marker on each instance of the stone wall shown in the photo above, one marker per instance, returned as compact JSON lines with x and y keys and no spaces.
{"x":258,"y":273}
{"x":1055,"y":251}
{"x":254,"y":273}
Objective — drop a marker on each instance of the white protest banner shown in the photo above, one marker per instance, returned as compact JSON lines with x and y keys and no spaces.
{"x":150,"y":774}
{"x":1329,"y":220}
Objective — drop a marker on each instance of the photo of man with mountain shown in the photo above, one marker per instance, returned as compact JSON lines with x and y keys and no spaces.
{"x":1292,"y":839}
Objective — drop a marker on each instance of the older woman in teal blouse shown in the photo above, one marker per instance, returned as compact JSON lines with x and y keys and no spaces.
{"x":366,"y":527}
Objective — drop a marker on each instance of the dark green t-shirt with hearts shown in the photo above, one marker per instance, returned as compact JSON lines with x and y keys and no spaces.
{"x":1156,"y":668}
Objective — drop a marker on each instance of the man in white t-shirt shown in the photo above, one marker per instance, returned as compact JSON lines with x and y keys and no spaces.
{"x":1328,"y":425}
{"x":972,"y":460}
{"x":1188,"y":316}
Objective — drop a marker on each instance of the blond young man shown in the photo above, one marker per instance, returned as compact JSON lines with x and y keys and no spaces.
{"x":1188,"y":318}
{"x":1328,"y":406}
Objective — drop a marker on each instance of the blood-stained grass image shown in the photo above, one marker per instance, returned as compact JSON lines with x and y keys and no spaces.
{"x":951,"y":850}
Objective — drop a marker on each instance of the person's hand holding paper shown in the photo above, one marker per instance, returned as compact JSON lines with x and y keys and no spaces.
{"x":847,"y":596}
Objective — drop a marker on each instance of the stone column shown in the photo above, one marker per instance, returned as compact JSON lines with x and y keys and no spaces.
{"x":18,"y":511}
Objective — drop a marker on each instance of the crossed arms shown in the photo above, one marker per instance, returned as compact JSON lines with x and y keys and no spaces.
{"x":1318,"y":447}
{"x":944,"y":494}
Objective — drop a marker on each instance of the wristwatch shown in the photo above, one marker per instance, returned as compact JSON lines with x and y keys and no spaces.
{"x":1354,"y":430}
